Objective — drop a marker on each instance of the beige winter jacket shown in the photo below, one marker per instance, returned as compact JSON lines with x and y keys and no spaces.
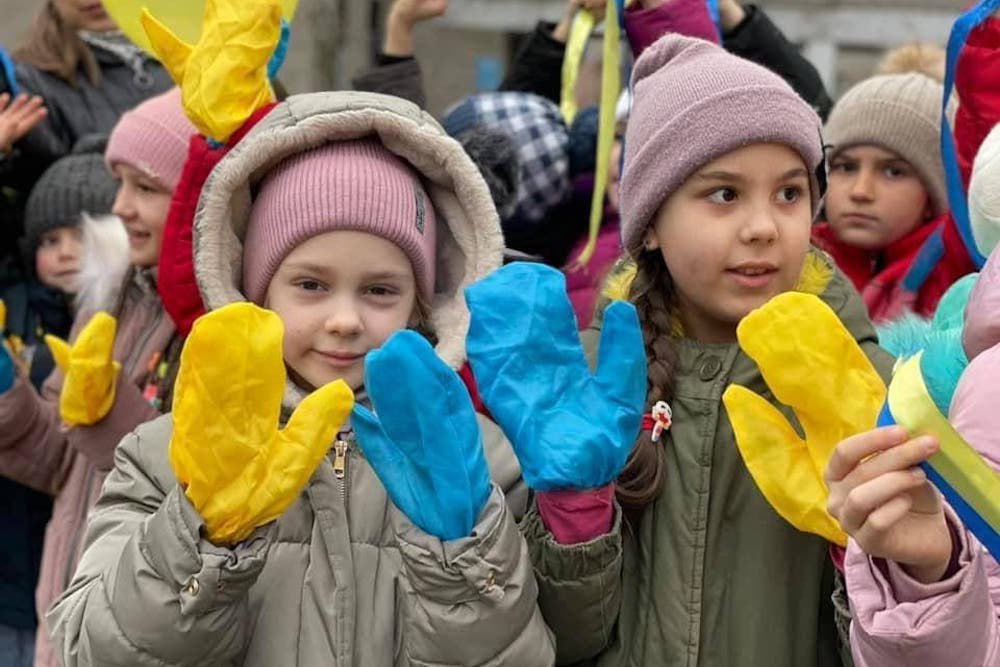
{"x":342,"y":578}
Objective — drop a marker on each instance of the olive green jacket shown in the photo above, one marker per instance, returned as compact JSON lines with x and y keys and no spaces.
{"x":710,"y":576}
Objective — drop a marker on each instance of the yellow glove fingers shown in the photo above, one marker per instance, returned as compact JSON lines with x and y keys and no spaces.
{"x":60,"y":351}
{"x":780,"y":464}
{"x":226,"y":410}
{"x":3,"y":315}
{"x":97,"y":340}
{"x":813,"y":364}
{"x":170,"y":50}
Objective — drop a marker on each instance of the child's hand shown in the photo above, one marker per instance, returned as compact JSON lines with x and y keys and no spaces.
{"x":570,"y":429}
{"x":18,"y":118}
{"x":237,"y":468}
{"x":412,"y":12}
{"x":885,"y":502}
{"x":402,"y":17}
{"x":424,"y":443}
{"x":90,"y":371}
{"x":731,"y":14}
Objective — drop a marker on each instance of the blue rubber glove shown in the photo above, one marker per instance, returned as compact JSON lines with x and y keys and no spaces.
{"x":570,"y":429}
{"x":7,"y":374}
{"x":424,"y":443}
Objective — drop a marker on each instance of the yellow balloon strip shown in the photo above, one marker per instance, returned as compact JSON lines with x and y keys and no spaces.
{"x":611,"y":85}
{"x":958,"y":463}
{"x":576,"y":45}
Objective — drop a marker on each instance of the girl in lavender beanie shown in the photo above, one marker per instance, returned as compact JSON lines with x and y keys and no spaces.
{"x":718,"y":195}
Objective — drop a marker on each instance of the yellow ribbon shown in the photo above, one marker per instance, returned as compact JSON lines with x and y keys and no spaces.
{"x":611,"y":85}
{"x":957,"y":462}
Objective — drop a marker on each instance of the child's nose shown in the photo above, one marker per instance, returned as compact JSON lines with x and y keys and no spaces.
{"x":344,"y":320}
{"x":863,"y":188}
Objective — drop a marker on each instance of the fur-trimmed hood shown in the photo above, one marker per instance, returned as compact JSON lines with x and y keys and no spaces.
{"x":469,"y":239}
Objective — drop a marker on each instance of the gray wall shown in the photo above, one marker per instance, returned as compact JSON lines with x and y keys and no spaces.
{"x":333,"y":38}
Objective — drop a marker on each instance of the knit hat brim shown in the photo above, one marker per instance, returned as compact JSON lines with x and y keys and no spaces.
{"x":755,"y":108}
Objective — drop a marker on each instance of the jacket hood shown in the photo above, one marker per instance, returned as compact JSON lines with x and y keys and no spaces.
{"x":469,"y":238}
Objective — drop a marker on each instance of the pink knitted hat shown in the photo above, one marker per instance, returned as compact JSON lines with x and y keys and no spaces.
{"x":349,"y":185}
{"x":694,"y":102}
{"x":154,"y":138}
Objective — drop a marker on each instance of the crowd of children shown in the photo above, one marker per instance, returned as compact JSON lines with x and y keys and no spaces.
{"x":407,"y":430}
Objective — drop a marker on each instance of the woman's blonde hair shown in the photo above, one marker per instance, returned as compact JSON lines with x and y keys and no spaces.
{"x":53,"y":46}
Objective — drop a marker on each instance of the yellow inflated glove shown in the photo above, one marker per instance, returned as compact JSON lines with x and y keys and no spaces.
{"x":812,"y":364}
{"x":237,"y":468}
{"x":224,"y":76}
{"x":88,"y":390}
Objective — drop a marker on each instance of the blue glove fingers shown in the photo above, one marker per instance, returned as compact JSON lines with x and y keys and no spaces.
{"x":621,"y":375}
{"x":521,"y":307}
{"x":392,"y":469}
{"x":621,"y":357}
{"x":7,"y":375}
{"x":426,"y":410}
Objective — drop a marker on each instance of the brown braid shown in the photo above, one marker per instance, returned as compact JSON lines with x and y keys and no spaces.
{"x":652,"y":292}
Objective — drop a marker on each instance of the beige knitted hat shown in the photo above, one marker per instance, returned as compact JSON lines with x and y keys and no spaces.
{"x":900,"y":113}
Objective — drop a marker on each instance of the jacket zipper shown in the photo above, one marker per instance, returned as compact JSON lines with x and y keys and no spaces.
{"x":79,"y":525}
{"x":341,"y":451}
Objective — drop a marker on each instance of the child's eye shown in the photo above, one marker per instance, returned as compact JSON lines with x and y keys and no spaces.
{"x":843,"y":166}
{"x":381,"y":291}
{"x":790,"y":194}
{"x":722,"y":196}
{"x":893,"y":171}
{"x":309,"y":285}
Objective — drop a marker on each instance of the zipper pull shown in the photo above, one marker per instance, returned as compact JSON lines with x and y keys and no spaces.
{"x":341,"y":448}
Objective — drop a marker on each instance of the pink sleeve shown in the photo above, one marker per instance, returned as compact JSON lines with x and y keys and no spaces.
{"x":576,"y":517}
{"x":900,"y":622}
{"x":33,"y":448}
{"x":98,"y":442}
{"x":684,"y":17}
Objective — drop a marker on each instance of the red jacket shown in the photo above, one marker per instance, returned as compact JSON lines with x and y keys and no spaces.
{"x":914,"y":273}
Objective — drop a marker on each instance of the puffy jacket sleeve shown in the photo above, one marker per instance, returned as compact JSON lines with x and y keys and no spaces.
{"x":979,"y":97}
{"x":33,"y":446}
{"x":128,"y":411}
{"x":759,"y":40}
{"x":149,"y":590}
{"x":474,"y":601}
{"x":899,"y":621}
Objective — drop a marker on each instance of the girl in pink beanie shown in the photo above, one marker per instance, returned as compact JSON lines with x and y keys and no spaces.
{"x":692,"y":565}
{"x":49,"y":447}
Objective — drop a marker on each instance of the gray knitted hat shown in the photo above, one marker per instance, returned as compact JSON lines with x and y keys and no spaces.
{"x":900,"y":113}
{"x":77,"y":183}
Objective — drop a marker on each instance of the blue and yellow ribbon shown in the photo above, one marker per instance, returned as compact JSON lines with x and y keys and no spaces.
{"x":964,"y":478}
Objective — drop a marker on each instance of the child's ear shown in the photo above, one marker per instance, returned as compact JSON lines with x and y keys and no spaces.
{"x":649,"y":241}
{"x":929,"y":211}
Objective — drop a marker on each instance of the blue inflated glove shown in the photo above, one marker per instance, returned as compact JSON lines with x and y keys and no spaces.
{"x":423,"y":440}
{"x":570,"y":429}
{"x":7,"y":373}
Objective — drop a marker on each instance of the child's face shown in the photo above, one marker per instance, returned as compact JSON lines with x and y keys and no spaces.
{"x":85,"y":15}
{"x":340,"y":295}
{"x":143,"y":204}
{"x":57,"y":260}
{"x":734,"y":235}
{"x":874,"y":198}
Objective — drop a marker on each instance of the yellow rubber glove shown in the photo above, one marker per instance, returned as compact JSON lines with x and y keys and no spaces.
{"x":812,"y":364}
{"x":88,"y":390}
{"x":223,"y":77}
{"x":237,"y":468}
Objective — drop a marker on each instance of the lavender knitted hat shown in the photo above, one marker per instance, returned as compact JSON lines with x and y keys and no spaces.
{"x":694,"y":102}
{"x":153,"y":138}
{"x":347,"y":185}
